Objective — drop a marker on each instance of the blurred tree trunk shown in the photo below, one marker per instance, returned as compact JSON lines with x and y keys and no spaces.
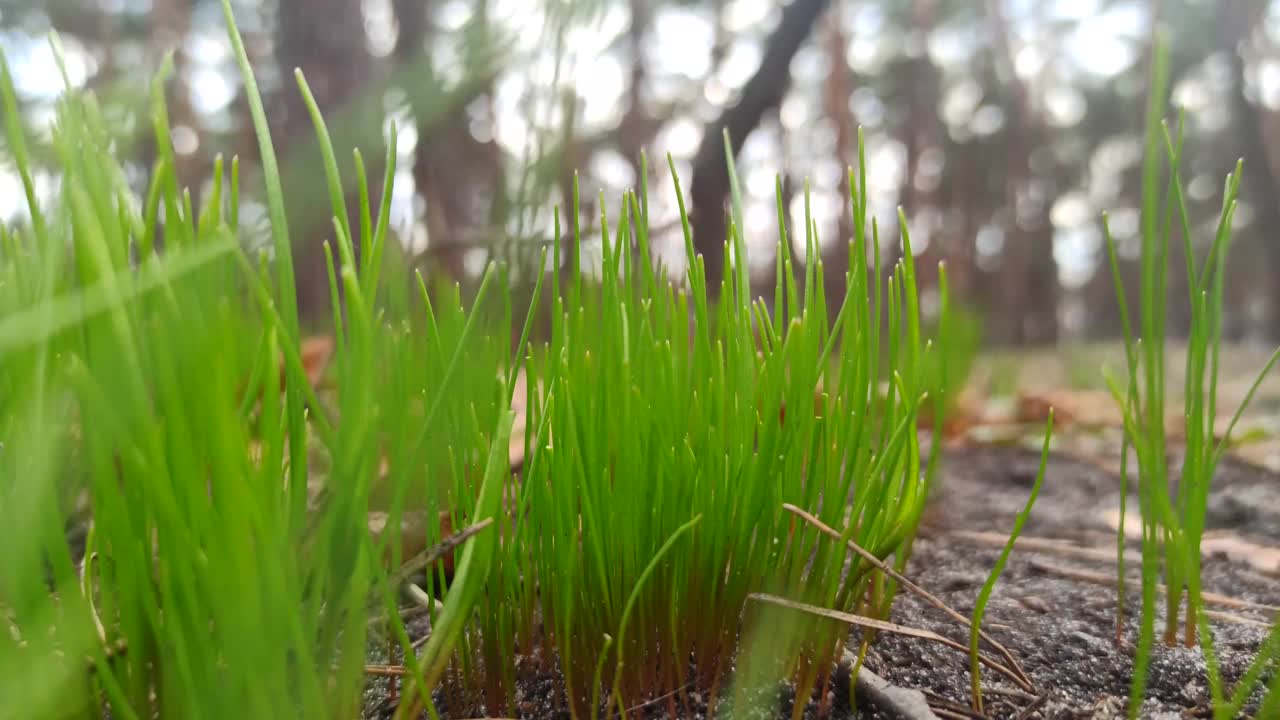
{"x":961,"y":256}
{"x":837,"y":92}
{"x":922,"y":91}
{"x":638,"y":126}
{"x":1257,"y":134}
{"x":764,"y":90}
{"x":459,"y":177}
{"x":1029,"y":275}
{"x":326,"y":40}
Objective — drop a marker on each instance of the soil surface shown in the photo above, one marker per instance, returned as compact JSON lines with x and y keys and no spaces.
{"x":1052,"y":607}
{"x":1047,"y":609}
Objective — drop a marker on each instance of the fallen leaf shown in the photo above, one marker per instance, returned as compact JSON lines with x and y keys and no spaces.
{"x":316,"y":352}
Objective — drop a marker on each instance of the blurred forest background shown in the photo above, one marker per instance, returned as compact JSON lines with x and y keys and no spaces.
{"x":1003,"y":128}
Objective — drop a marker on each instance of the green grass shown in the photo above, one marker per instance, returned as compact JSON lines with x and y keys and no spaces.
{"x":145,"y":384}
{"x":231,"y":569}
{"x":651,"y":425}
{"x":1173,"y":520}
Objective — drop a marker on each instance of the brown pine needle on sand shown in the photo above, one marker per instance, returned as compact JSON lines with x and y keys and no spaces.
{"x":882,"y":626}
{"x":1021,"y":677}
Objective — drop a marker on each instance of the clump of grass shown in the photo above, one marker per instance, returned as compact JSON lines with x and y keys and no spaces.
{"x":228,"y":569}
{"x":1173,"y":521}
{"x":642,"y":425}
{"x":230,"y":565}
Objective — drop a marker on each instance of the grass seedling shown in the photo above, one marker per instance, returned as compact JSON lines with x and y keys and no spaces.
{"x":980,"y":606}
{"x":1173,"y":521}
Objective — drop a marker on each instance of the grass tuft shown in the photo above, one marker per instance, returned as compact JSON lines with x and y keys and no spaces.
{"x":980,"y":606}
{"x":1173,"y":520}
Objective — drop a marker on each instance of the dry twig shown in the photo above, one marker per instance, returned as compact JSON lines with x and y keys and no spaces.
{"x":1106,"y":580}
{"x":1020,"y":676}
{"x":1049,"y":546}
{"x":882,"y":626}
{"x":427,"y":557}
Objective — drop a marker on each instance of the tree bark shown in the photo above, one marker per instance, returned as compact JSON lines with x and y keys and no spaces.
{"x":638,"y":126}
{"x":460,"y":179}
{"x":837,"y":91}
{"x":1028,"y":276}
{"x":326,"y":39}
{"x":1257,"y":143}
{"x":765,"y":89}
